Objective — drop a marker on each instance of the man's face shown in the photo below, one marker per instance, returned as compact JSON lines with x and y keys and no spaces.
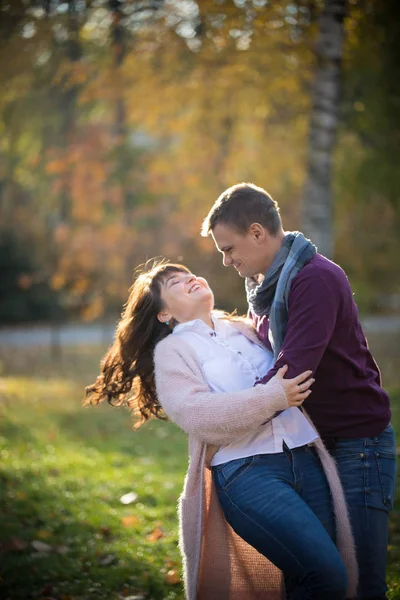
{"x":245,"y":252}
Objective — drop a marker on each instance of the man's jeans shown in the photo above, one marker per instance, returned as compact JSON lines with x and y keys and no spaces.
{"x":367,"y":468}
{"x":281,"y":505}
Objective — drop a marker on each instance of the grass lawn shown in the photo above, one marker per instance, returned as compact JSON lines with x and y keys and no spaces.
{"x":65,"y":534}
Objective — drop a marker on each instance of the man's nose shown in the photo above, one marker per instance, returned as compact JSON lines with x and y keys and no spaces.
{"x":226,"y":261}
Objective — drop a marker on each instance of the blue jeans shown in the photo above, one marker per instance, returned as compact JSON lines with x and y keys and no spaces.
{"x":280,"y":504}
{"x":367,"y":468}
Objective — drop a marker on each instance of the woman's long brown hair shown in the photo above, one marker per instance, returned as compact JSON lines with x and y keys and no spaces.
{"x":127,"y":369}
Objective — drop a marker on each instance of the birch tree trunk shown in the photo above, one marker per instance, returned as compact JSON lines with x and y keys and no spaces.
{"x":317,"y":213}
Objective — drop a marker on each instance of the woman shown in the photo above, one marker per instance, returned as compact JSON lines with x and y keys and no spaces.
{"x":175,"y":356}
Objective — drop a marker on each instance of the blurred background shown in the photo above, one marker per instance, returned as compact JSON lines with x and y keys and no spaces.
{"x":121,"y":122}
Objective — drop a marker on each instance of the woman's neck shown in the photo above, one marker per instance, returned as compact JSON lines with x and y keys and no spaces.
{"x":205,"y":317}
{"x":208,"y":320}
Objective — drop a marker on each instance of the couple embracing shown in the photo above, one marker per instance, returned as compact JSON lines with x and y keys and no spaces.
{"x":291,"y":452}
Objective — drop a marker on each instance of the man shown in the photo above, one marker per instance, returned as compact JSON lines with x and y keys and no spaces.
{"x":302,"y":304}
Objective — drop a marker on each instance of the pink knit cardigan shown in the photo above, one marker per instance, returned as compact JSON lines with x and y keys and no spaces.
{"x":216,"y":562}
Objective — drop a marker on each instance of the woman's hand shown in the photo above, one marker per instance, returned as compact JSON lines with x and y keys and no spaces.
{"x":297,"y":389}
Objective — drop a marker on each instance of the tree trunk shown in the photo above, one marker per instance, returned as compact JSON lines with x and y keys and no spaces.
{"x":70,"y":95}
{"x":118,"y":48}
{"x":317,"y":217}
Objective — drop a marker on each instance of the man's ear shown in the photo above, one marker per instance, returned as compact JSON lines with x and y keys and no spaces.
{"x":163,"y":317}
{"x":257,"y":231}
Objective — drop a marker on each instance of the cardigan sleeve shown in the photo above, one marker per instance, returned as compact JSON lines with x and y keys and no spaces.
{"x":214,"y":417}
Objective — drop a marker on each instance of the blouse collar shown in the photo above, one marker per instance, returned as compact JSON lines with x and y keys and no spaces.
{"x":198,"y":325}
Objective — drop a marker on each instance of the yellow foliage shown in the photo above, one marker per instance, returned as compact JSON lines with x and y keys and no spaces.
{"x":127,"y":165}
{"x":57,"y":281}
{"x":94,"y":310}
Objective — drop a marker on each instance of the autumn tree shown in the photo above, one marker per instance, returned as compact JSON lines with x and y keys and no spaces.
{"x":123,"y":121}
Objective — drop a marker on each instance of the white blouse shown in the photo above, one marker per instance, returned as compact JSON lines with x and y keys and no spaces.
{"x":231,"y":362}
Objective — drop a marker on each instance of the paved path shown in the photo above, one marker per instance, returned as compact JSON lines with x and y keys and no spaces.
{"x":77,"y":334}
{"x":68,"y":335}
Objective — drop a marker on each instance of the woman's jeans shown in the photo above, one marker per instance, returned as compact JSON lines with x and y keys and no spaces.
{"x":367,"y":468}
{"x":280,"y":504}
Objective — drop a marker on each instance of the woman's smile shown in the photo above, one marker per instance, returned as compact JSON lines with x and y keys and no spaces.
{"x":196,"y":286}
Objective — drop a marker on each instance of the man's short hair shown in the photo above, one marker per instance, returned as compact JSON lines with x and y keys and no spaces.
{"x":240,"y":206}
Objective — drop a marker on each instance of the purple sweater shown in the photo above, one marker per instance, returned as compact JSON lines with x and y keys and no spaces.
{"x":325,"y":335}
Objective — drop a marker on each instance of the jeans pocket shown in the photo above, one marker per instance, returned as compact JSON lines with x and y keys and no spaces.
{"x":386,"y":467}
{"x":230,"y":472}
{"x":344,"y":454}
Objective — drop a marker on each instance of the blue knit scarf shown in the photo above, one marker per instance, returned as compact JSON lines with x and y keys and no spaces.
{"x":271,"y":296}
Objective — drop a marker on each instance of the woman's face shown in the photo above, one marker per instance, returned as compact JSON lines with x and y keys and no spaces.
{"x":185,"y":297}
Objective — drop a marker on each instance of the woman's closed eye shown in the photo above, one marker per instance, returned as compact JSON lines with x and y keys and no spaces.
{"x":172,"y":281}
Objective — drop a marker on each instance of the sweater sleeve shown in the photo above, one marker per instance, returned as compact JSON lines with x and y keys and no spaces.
{"x":313,"y":310}
{"x":213,"y":417}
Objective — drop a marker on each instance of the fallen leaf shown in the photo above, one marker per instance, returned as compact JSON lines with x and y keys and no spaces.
{"x":172,"y":577}
{"x":155,"y":535}
{"x":43,"y":534}
{"x":41,"y":546}
{"x":14,"y":544}
{"x":105,"y":532}
{"x":128,"y":498}
{"x":106,"y":560}
{"x":171,"y":564}
{"x":129,"y":520}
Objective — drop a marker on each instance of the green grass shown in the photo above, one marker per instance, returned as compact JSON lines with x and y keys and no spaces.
{"x":63,"y":470}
